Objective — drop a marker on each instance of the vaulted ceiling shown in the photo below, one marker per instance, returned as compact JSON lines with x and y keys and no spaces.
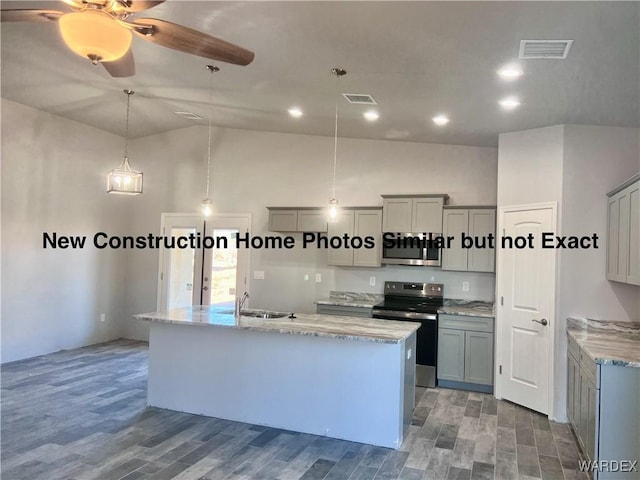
{"x":417,"y":59}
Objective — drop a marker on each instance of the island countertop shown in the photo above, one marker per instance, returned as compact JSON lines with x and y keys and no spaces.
{"x":607,"y":342}
{"x":348,"y":328}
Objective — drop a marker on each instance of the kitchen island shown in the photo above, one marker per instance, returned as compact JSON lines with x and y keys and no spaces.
{"x":341,"y":377}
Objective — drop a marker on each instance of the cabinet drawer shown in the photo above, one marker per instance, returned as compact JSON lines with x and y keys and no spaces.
{"x":588,"y":367}
{"x":573,"y":347}
{"x":461,"y":322}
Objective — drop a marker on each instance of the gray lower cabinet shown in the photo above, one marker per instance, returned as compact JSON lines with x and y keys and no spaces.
{"x":345,"y":310}
{"x":465,"y":352}
{"x":604,"y":412}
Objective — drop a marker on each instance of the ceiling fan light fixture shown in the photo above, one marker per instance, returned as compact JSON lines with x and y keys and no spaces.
{"x":96,"y":35}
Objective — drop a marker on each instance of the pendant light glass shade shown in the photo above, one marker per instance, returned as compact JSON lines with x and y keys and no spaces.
{"x":332,"y":213}
{"x":124,"y":179}
{"x":207,"y":207}
{"x":95,"y":34}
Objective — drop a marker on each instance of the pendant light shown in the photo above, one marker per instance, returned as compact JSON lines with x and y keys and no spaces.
{"x":124,"y":179}
{"x":207,"y":205}
{"x":332,"y":215}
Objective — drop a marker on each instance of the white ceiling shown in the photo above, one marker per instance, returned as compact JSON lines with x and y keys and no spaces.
{"x":416,"y":59}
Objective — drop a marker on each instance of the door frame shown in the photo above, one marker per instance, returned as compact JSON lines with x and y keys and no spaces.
{"x":500,"y":283}
{"x":165,"y":215}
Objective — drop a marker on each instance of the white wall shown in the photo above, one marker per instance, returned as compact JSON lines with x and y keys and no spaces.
{"x":575,"y":166}
{"x":596,"y":159}
{"x":252,"y":170}
{"x":53,"y":180}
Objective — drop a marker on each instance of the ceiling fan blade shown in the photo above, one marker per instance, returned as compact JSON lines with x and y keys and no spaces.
{"x":124,"y":67}
{"x":185,"y":39}
{"x":30,"y":15}
{"x":140,"y":5}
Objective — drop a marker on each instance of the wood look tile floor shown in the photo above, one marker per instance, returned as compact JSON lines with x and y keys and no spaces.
{"x":81,"y":414}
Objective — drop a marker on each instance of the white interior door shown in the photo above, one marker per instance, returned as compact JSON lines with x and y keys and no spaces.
{"x":210,"y":272}
{"x":525,"y":315}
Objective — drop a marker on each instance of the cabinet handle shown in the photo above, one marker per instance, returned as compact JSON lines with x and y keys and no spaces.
{"x":542,"y":322}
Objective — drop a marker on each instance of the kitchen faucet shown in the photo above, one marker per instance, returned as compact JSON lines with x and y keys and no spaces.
{"x":240,"y":303}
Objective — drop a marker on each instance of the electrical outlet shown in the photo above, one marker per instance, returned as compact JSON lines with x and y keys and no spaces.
{"x":465,"y":286}
{"x":103,"y":317}
{"x":372,"y":281}
{"x":318,"y":278}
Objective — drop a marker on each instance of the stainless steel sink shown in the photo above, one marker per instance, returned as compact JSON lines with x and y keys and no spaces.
{"x":262,"y":314}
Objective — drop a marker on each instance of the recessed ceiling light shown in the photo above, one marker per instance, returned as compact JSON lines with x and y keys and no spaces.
{"x":371,"y":115}
{"x":509,"y":103}
{"x":295,"y":112}
{"x":440,"y":120}
{"x":510,"y":72}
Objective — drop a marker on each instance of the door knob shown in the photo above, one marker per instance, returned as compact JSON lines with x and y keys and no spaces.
{"x":542,"y":322}
{"x":207,"y":288}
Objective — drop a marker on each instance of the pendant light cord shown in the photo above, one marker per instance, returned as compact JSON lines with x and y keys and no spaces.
{"x":338,"y":72}
{"x":335,"y":153}
{"x":211,"y":70}
{"x":126,"y":137}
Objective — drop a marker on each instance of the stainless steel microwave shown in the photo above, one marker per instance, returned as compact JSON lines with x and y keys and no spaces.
{"x":411,"y":249}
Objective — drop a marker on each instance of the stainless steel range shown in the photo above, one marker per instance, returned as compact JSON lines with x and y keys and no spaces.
{"x":416,"y":302}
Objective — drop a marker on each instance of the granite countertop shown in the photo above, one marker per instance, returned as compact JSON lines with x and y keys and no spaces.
{"x":607,"y":342}
{"x":352,"y":299}
{"x":469,"y":308}
{"x":335,"y":326}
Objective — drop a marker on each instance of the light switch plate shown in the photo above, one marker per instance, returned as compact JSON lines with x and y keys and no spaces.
{"x":318,"y":278}
{"x":258,"y":275}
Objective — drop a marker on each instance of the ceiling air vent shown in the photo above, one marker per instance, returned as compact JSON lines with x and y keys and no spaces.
{"x":189,"y":115}
{"x":361,"y":98}
{"x":553,"y":49}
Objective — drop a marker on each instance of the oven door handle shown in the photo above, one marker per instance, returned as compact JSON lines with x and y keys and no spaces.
{"x":391,"y":314}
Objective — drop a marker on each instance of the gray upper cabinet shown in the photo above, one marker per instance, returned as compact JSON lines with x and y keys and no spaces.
{"x":475,"y":222}
{"x":360,"y":222}
{"x":413,"y":213}
{"x":342,"y":257}
{"x":285,"y":219}
{"x":623,"y":233}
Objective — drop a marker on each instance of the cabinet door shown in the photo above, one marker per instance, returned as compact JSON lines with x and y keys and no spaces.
{"x":368,"y":223}
{"x":455,"y":222}
{"x":312,"y":220}
{"x":618,"y":236}
{"x":396,"y":215}
{"x":283,"y":220}
{"x":451,"y":355}
{"x":482,"y":222}
{"x":478,"y":357}
{"x":633,"y":257}
{"x":573,"y":391}
{"x":344,"y":224}
{"x":427,"y":215}
{"x":591,"y":401}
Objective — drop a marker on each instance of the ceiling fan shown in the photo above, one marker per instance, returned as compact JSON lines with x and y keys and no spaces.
{"x":101,"y":31}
